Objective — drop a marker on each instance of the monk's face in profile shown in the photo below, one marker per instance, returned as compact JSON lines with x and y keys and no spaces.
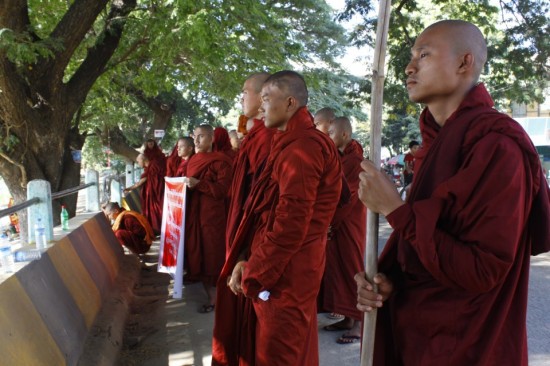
{"x":433,"y":69}
{"x":184,"y":149}
{"x":275,"y":106}
{"x":336,"y":135}
{"x":203,"y":140}
{"x":250,"y":99}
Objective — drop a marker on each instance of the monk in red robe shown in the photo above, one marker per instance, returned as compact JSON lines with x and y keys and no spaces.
{"x":323,"y":118}
{"x":131,"y":228}
{"x":276,"y":262}
{"x":152,"y":151}
{"x":252,"y":154}
{"x":222,"y":143}
{"x":172,"y":162}
{"x":454,"y":274}
{"x":209,"y":176}
{"x":151,"y":184}
{"x":347,"y":237}
{"x":186,"y":149}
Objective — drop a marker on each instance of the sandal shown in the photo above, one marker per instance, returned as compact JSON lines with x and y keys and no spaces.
{"x":335,"y":316}
{"x":206,"y":309}
{"x":348,"y":339}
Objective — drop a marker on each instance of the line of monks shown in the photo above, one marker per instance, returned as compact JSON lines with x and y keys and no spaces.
{"x":287,"y":197}
{"x":276,"y":231}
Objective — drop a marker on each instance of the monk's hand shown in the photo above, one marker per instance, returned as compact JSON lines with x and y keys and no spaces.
{"x":192,"y":182}
{"x":377,"y":191}
{"x":234,"y":282}
{"x":367,"y":299}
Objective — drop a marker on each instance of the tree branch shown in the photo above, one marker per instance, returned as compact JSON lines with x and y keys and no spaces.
{"x":98,"y":56}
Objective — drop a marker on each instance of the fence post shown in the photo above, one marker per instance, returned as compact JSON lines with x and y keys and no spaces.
{"x":92,"y":192}
{"x":130,"y":174}
{"x":43,"y":209}
{"x":116,"y":191}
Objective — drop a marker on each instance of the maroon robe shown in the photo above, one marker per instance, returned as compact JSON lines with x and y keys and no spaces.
{"x":222,"y":143}
{"x":248,"y":165}
{"x":154,"y":153}
{"x":152,"y":193}
{"x":182,"y":167}
{"x":172,"y":162}
{"x":206,"y":218}
{"x":287,"y":217}
{"x":131,"y":234}
{"x":346,"y":246}
{"x":459,"y":254}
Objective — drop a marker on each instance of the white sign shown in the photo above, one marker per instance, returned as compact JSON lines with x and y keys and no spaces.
{"x":159,"y":133}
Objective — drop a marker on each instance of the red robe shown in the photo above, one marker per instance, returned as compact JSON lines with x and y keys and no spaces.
{"x":205,"y":237}
{"x":222,"y":143}
{"x":459,"y":254}
{"x":154,"y":153}
{"x":152,"y":193}
{"x":182,"y":167}
{"x":132,"y":234}
{"x":173,"y":162}
{"x":289,"y":211}
{"x":346,"y":247}
{"x":248,"y":165}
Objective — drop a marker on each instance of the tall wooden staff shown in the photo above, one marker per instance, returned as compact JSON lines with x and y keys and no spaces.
{"x":377,"y":93}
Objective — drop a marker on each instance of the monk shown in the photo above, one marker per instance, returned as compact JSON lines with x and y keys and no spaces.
{"x":279,"y":270}
{"x":347,"y":237}
{"x":131,"y":228}
{"x":152,"y":151}
{"x":172,"y":162}
{"x":223,"y":143}
{"x":252,"y":155}
{"x":151,"y":183}
{"x":323,"y":117}
{"x":186,"y":149}
{"x":209,"y":176}
{"x":235,"y":140}
{"x":454,"y":274}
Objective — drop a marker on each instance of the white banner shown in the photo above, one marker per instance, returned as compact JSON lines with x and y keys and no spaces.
{"x":173,"y":232}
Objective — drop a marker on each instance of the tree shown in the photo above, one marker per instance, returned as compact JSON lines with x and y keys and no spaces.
{"x":518,"y":37}
{"x":119,"y":69}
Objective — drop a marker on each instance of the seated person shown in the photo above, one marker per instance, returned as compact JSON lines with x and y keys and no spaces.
{"x":131,"y":228}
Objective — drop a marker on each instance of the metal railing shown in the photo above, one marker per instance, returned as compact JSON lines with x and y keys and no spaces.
{"x":39,"y":202}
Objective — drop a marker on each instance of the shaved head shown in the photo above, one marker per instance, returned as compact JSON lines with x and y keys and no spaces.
{"x":291,"y":84}
{"x":343,"y":124}
{"x":206,"y":129}
{"x":256,"y":80}
{"x":464,"y":37}
{"x":325,"y":113}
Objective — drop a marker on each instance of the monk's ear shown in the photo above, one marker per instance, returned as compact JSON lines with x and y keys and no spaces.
{"x":291,"y":103}
{"x":467,"y":62}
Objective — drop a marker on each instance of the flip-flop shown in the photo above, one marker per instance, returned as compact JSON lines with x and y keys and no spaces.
{"x":206,"y":309}
{"x":335,"y":328}
{"x":348,"y":339}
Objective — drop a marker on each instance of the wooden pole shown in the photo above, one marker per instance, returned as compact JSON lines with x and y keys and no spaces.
{"x":377,"y":96}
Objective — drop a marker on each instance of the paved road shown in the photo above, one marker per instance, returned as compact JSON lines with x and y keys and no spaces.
{"x":163,"y":331}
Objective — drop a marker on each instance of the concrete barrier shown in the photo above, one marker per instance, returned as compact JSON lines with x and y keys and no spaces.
{"x":53,"y":311}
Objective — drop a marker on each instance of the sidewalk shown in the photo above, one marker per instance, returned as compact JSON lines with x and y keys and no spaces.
{"x":164,"y":331}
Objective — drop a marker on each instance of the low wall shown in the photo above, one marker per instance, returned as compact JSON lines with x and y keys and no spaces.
{"x":50,"y":309}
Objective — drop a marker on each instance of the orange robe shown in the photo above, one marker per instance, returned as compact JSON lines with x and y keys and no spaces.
{"x":133,"y":231}
{"x":346,"y":246}
{"x":206,"y":217}
{"x":460,"y":251}
{"x":290,"y":209}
